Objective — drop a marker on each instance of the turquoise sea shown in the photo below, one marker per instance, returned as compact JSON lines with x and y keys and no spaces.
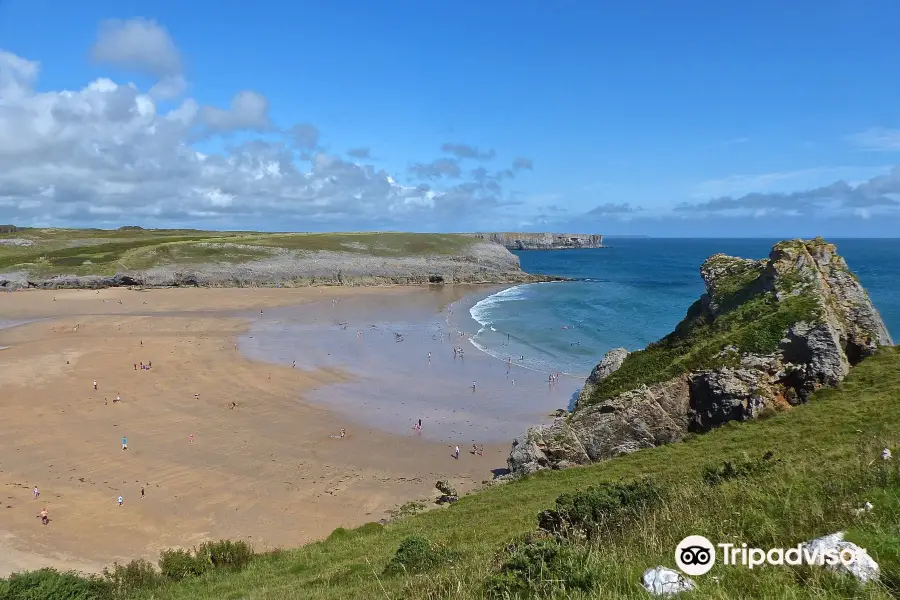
{"x":633,"y":292}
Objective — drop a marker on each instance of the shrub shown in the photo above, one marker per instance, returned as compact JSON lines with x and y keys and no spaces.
{"x":746,"y":467}
{"x":49,"y":584}
{"x":225,"y":554}
{"x":540,"y":566}
{"x":136,"y":575}
{"x":602,"y":507}
{"x":176,"y":565}
{"x":415,"y":555}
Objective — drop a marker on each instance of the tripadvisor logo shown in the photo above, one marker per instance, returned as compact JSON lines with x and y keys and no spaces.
{"x":696,"y":555}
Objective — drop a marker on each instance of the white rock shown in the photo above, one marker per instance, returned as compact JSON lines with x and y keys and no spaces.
{"x":869,"y":506}
{"x":663,"y":582}
{"x":863,"y":567}
{"x":886,"y":454}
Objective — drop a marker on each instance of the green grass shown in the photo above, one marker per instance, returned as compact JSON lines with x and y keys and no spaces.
{"x":106,"y":252}
{"x":826,"y":463}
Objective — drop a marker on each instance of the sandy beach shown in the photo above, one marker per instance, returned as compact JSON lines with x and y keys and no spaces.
{"x":272,"y":470}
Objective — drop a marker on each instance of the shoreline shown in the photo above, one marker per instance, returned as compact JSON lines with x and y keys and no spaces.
{"x":273,"y":461}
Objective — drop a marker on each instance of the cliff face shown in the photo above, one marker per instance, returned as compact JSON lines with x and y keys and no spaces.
{"x":479,"y":262}
{"x":763,"y":338}
{"x":541,"y":241}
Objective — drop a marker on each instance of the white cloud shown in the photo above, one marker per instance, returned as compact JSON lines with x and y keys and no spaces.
{"x":108,"y":154}
{"x":138,"y":44}
{"x":779,"y":181}
{"x":248,"y":110}
{"x":877,"y":139}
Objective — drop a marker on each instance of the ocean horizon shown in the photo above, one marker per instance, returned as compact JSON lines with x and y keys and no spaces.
{"x":633,"y":292}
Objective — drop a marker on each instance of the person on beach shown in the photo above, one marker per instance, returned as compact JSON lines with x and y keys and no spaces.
{"x":456,"y":453}
{"x":36,"y":493}
{"x":343,"y":433}
{"x":420,"y":424}
{"x":474,"y":449}
{"x":473,"y":387}
{"x":44,"y":516}
{"x":124,"y":443}
{"x":118,"y":397}
{"x":191,"y":438}
{"x":481,"y":450}
{"x":233,"y":404}
{"x":135,"y":366}
{"x":429,"y":357}
{"x":149,"y":364}
{"x":95,"y":385}
{"x":142,"y":492}
{"x":121,"y":500}
{"x":294,"y":365}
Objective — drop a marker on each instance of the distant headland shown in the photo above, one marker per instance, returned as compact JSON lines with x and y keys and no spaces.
{"x":541,"y":241}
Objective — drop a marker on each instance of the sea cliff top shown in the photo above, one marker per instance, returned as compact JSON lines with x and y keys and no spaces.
{"x":162,"y":257}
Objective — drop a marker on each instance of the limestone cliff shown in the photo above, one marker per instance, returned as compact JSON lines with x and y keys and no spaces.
{"x":764,"y":336}
{"x":541,"y":241}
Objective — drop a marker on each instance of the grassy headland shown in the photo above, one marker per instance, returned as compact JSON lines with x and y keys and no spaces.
{"x":826,"y":463}
{"x":106,"y":252}
{"x":161,"y":257}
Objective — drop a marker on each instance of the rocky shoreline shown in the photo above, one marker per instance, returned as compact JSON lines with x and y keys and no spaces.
{"x":763,"y":338}
{"x":482,"y":263}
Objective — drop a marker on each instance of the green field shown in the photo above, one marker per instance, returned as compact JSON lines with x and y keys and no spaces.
{"x":107,"y":252}
{"x":826,"y":463}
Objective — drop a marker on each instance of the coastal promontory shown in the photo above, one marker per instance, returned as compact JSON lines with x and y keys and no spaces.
{"x":132,"y":256}
{"x":763,"y":338}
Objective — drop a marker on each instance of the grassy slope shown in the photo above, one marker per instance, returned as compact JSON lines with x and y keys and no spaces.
{"x":751,"y":320}
{"x":65,"y":251}
{"x":829,"y":451}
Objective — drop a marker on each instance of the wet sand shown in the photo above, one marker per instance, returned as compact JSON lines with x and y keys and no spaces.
{"x":272,"y":470}
{"x":403,"y":367}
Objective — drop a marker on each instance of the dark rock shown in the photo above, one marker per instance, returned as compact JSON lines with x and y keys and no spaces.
{"x":444,"y":487}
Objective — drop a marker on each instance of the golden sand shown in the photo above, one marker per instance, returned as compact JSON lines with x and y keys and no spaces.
{"x":272,"y":470}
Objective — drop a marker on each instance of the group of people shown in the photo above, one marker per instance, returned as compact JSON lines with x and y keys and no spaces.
{"x":143,"y":366}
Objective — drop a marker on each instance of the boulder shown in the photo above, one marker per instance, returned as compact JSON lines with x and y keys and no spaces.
{"x":862,"y":566}
{"x":444,"y":487}
{"x":665,"y":583}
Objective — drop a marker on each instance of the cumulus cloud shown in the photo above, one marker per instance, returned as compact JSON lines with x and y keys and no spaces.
{"x":610,"y":208}
{"x":305,"y":136}
{"x":361,"y":152}
{"x":141,"y":45}
{"x":108,"y":154}
{"x":436,"y":169}
{"x":248,"y":110}
{"x":467,"y":151}
{"x":521,"y":164}
{"x":878,"y":194}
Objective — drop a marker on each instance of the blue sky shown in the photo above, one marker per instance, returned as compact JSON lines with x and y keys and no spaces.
{"x":658,"y":118}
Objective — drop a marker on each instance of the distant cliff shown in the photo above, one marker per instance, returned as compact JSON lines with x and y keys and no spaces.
{"x":541,"y":241}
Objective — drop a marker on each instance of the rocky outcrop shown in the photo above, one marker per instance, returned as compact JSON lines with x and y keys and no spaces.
{"x":764,"y":337}
{"x":541,"y":241}
{"x":611,"y":361}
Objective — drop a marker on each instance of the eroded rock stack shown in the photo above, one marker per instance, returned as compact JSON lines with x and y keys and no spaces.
{"x":763,"y":338}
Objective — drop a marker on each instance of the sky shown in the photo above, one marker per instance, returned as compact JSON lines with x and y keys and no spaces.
{"x":661,"y":118}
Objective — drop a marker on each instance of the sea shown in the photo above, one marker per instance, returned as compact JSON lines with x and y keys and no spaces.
{"x":634,"y":291}
{"x":399,"y":349}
